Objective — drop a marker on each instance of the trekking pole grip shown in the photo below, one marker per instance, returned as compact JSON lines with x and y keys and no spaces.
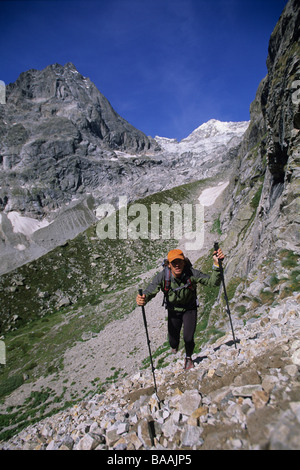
{"x":216,"y":247}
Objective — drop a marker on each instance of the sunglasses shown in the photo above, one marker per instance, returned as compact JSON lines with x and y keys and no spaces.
{"x":177,"y":262}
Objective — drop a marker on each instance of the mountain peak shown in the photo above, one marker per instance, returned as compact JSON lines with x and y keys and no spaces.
{"x":207,"y":140}
{"x":216,"y":127}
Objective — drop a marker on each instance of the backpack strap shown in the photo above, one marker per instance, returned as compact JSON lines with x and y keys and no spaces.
{"x":187,"y":285}
{"x":167,"y":282}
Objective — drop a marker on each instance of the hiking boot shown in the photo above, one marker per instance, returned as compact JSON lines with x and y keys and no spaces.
{"x":189,"y":364}
{"x":174,"y":350}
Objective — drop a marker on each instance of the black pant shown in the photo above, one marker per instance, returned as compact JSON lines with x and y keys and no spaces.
{"x":189,"y":321}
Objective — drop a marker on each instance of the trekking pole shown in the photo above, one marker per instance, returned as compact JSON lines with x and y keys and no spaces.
{"x":216,"y":247}
{"x":148,"y":341}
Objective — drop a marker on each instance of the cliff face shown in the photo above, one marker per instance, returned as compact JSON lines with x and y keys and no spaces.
{"x":280,"y":97}
{"x":263,"y":215}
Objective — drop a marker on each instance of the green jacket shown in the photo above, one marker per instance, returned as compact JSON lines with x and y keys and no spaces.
{"x":185,"y":298}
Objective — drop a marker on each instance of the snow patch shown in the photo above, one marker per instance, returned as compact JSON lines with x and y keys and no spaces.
{"x":124,"y":154}
{"x":209,"y":195}
{"x":25,"y":225}
{"x":20,"y":247}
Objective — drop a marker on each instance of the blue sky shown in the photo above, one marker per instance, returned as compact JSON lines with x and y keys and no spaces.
{"x":166,"y":66}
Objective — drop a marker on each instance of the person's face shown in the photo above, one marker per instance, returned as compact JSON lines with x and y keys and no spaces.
{"x":176,"y":267}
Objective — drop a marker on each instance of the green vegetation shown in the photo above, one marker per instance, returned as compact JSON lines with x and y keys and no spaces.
{"x":256,"y":198}
{"x":232,"y":286}
{"x":32,"y":410}
{"x":163,"y":351}
{"x":289,"y":259}
{"x":11,"y":384}
{"x":216,"y":228}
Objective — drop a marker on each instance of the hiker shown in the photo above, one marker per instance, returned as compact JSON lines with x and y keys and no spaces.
{"x":178,"y":282}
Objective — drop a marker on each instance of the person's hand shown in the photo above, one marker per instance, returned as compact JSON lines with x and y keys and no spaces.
{"x":218,"y":255}
{"x":141,"y":300}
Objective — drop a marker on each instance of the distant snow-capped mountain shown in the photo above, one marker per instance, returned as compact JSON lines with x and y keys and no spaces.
{"x":206,"y":138}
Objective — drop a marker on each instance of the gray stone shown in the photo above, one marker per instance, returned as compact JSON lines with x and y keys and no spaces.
{"x":192,"y":436}
{"x":286,"y":433}
{"x":88,"y":442}
{"x":67,"y":441}
{"x":189,"y":402}
{"x":295,"y":407}
{"x":246,"y":390}
{"x":122,"y":428}
{"x":112,"y":436}
{"x":169,"y":428}
{"x":296,"y":357}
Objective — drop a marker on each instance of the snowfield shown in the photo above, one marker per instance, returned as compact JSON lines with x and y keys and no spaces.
{"x":209,"y":195}
{"x":25,"y":225}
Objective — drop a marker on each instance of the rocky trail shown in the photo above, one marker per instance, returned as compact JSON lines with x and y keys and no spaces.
{"x":243,"y":398}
